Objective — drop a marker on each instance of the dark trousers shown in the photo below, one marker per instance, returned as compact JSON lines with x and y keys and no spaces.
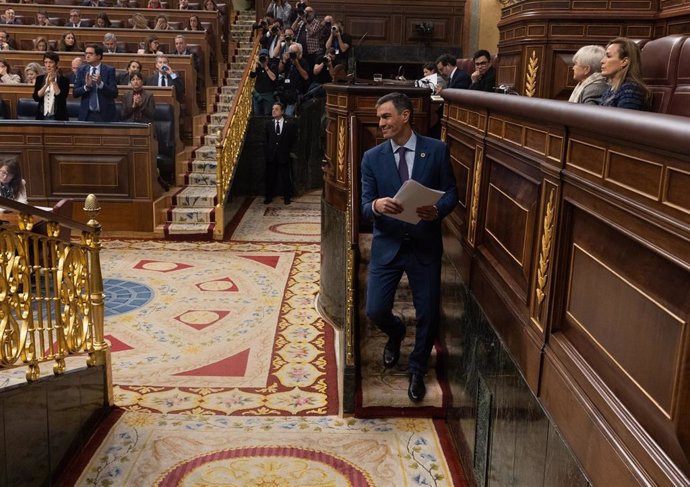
{"x":425,"y":283}
{"x":95,"y":117}
{"x":278,"y":171}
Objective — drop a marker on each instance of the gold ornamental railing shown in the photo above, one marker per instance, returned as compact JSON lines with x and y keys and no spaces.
{"x":229,"y":144}
{"x":51,"y":289}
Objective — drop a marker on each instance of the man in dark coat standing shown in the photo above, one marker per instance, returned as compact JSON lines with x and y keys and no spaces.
{"x":281,"y":136}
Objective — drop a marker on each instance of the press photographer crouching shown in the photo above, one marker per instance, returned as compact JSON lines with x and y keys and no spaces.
{"x":293,"y":78}
{"x":265,"y":86}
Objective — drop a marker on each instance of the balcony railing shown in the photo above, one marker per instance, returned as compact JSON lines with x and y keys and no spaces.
{"x":51,"y":289}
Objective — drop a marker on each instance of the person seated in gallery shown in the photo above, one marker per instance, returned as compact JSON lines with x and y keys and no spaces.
{"x":12,"y":186}
{"x":68,"y":43}
{"x":7,"y":77}
{"x":484,"y":75}
{"x":138,"y":105}
{"x":31,"y":72}
{"x":621,"y":66}
{"x":587,"y":72}
{"x":50,"y":90}
{"x":132,"y":67}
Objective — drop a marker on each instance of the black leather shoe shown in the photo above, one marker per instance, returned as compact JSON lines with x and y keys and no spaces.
{"x":286,"y":201}
{"x":391,"y":352}
{"x":417,"y":389}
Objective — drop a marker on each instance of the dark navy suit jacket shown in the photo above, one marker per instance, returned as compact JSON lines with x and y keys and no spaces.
{"x":460,"y":80}
{"x":106,"y":95}
{"x":380,"y":179}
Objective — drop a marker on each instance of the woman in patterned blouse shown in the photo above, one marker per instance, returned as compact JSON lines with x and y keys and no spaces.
{"x":622,"y":68}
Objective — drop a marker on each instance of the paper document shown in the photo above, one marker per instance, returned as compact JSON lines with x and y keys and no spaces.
{"x":411,"y":196}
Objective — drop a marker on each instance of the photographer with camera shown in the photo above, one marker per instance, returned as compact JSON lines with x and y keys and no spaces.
{"x":326,"y":70}
{"x":261,"y":28}
{"x":294,"y":76}
{"x":283,"y":43}
{"x":262,"y":95}
{"x":309,"y":32}
{"x":298,"y":10}
{"x":340,"y":42}
{"x":280,"y":9}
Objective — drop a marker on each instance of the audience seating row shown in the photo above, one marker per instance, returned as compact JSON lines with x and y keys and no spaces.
{"x":209,"y":20}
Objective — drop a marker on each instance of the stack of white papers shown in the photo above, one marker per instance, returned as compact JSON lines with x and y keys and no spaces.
{"x":411,"y":196}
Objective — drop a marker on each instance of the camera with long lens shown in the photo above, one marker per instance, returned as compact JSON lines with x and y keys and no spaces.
{"x":263,"y":58}
{"x":288,"y":39}
{"x":274,"y":30}
{"x":300,"y":9}
{"x":334,"y":29}
{"x":293,"y":55}
{"x":326,"y":60}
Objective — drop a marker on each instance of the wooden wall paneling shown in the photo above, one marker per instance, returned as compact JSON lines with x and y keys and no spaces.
{"x":561,"y":82}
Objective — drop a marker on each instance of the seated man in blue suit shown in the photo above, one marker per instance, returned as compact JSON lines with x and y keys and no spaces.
{"x":96,"y":85}
{"x":403,"y":247}
{"x":447,"y":67}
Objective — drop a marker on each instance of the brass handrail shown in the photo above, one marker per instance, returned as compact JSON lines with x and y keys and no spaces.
{"x":229,"y":144}
{"x":51,"y":292}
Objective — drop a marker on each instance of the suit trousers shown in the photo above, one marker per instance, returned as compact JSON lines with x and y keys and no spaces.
{"x":425,"y":284}
{"x":276,"y":170}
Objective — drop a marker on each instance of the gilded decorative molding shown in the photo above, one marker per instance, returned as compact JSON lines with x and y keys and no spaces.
{"x":531,"y":76}
{"x":476,"y":186}
{"x":350,"y":276}
{"x":342,"y":149}
{"x":230,"y":140}
{"x":51,"y":297}
{"x":444,"y":132}
{"x":545,"y":252}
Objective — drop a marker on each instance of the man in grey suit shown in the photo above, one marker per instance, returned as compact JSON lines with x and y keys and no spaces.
{"x":398,"y":247}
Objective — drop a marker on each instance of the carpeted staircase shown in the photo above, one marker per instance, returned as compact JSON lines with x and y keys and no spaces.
{"x":383,"y":392}
{"x":192,"y":211}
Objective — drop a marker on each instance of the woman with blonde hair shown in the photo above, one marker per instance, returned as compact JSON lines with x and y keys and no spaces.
{"x":138,"y":21}
{"x":587,"y":72}
{"x":31,"y":72}
{"x":621,"y":66}
{"x":41,"y":44}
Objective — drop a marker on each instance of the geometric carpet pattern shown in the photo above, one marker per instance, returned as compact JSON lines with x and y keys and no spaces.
{"x":195,"y":451}
{"x":216,"y":312}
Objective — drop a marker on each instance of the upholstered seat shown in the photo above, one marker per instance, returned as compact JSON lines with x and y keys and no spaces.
{"x":660,"y":67}
{"x":680,"y":99}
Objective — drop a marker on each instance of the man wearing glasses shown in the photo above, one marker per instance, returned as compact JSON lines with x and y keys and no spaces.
{"x":484,"y":75}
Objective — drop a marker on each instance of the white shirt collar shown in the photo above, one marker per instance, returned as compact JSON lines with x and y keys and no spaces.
{"x":410,"y":145}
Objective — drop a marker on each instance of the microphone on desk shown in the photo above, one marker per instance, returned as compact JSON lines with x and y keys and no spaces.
{"x":352,"y":77}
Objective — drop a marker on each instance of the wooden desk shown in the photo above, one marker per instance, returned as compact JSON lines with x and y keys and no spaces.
{"x":116,"y":162}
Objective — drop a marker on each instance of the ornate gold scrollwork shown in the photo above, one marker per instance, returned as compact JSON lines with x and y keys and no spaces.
{"x":531,"y":76}
{"x":444,"y":132}
{"x":342,"y":149}
{"x":545,"y":252}
{"x":476,"y":186}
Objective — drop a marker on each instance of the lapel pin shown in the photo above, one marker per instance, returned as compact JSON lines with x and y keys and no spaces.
{"x":422,"y":155}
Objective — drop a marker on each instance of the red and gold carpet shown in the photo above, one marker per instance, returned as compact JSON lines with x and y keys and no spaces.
{"x":228,"y":329}
{"x":202,"y":451}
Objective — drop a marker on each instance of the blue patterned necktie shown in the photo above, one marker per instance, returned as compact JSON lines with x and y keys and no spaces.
{"x":93,"y":94}
{"x":402,"y":164}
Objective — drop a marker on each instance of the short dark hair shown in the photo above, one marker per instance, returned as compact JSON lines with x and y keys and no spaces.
{"x":279,"y":103}
{"x":52,"y":56}
{"x":447,"y":60}
{"x":98,"y":50}
{"x":400,"y":101}
{"x":480,"y":53}
{"x":430,"y":67}
{"x":133,"y":61}
{"x":136,"y":74}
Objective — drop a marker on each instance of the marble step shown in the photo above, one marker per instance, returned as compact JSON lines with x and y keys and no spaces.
{"x":212,"y":127}
{"x":205,"y":152}
{"x":226,"y":98}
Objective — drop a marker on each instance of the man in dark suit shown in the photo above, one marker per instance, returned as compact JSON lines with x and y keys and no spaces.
{"x":447,"y":66}
{"x":280,"y":140}
{"x":51,"y":90}
{"x":10,"y":18}
{"x":484,"y":75}
{"x":398,"y":247}
{"x":110,"y":44}
{"x":165,"y":76}
{"x":72,"y":75}
{"x":97,"y":88}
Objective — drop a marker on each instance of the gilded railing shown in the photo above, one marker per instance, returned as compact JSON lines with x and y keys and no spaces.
{"x":51,"y":290}
{"x":229,"y":145}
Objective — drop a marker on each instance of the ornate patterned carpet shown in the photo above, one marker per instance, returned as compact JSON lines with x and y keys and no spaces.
{"x":225,"y":375}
